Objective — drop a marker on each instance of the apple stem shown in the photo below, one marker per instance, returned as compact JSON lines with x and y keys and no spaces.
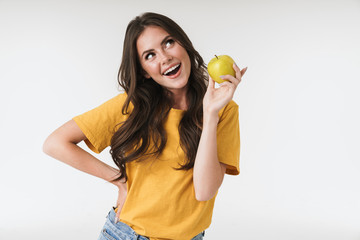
{"x":216,"y":57}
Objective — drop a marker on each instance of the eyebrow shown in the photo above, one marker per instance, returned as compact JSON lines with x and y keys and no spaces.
{"x":162,"y":43}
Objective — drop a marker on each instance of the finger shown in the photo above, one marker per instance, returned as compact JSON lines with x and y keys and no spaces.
{"x":226,"y":83}
{"x":211,"y":83}
{"x":117,"y":216}
{"x":231,"y":79}
{"x":238,"y":74}
{"x":243,"y":71}
{"x":237,"y":71}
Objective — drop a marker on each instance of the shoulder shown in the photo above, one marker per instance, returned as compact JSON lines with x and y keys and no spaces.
{"x":115,"y":102}
{"x":119,"y":98}
{"x":106,"y":110}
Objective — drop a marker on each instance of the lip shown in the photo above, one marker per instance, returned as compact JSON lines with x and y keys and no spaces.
{"x":177,"y":74}
{"x":172,"y":65}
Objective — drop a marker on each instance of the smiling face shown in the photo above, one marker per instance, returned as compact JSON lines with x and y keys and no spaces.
{"x":164,"y":59}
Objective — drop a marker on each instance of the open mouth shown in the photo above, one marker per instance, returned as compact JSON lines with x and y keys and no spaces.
{"x":172,"y":71}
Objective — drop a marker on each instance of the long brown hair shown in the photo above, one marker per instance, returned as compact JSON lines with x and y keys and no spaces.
{"x":142,"y":134}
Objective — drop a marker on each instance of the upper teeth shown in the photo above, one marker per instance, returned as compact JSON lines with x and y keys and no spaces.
{"x":170,"y":69}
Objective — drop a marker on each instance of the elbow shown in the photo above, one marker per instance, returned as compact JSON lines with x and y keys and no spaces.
{"x":46,"y":148}
{"x":49,"y":145}
{"x":206,"y":192}
{"x":202,"y":199}
{"x":204,"y":196}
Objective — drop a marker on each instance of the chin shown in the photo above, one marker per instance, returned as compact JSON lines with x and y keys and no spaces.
{"x":182,"y":84}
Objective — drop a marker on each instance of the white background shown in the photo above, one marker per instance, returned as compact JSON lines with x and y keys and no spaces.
{"x":299,"y":112}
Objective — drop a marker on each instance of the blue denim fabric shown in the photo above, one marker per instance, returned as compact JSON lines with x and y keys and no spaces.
{"x":121,"y":231}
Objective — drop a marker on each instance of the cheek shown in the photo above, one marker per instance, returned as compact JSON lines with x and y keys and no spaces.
{"x":182,"y":53}
{"x":188,"y":62}
{"x":150,"y":68}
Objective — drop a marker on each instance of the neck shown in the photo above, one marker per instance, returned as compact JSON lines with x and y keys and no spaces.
{"x":180,"y":100}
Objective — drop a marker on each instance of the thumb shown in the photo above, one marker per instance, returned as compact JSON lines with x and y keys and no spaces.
{"x":211,"y":83}
{"x":122,"y":194}
{"x":117,"y":216}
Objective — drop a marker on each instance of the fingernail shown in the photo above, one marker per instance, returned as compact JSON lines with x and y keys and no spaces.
{"x":222,"y":76}
{"x":116,"y":219}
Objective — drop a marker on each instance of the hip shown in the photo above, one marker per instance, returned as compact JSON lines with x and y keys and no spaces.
{"x":121,"y":231}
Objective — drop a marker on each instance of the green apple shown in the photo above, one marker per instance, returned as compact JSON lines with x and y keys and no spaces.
{"x":220,"y":65}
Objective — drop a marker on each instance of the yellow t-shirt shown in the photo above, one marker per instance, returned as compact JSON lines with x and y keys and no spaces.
{"x":161,"y":201}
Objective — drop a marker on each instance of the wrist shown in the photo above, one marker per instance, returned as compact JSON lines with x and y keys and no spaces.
{"x":120,"y":184}
{"x":210,"y":118}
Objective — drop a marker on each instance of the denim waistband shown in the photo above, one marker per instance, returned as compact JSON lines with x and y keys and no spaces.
{"x":126,"y":229}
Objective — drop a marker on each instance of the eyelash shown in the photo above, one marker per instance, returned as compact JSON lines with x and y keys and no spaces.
{"x":170,"y":40}
{"x":167,"y":41}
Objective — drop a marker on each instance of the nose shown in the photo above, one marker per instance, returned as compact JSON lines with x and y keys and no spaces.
{"x":165,"y":58}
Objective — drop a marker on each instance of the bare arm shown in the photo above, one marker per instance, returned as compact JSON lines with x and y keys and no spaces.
{"x":62,"y":145}
{"x":208,"y":171}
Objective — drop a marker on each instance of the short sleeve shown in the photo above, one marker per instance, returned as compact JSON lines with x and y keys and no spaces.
{"x":228,"y":138}
{"x":99,"y":124}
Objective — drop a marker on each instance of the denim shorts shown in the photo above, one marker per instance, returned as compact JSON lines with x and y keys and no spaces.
{"x":121,"y":231}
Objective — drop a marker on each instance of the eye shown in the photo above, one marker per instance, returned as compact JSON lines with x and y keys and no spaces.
{"x":149,"y":56}
{"x":169,"y":42}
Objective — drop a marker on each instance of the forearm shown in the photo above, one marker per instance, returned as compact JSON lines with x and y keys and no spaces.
{"x":73,"y":155}
{"x":207,"y":173}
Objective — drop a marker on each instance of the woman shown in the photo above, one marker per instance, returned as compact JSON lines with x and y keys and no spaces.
{"x":171,"y":136}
